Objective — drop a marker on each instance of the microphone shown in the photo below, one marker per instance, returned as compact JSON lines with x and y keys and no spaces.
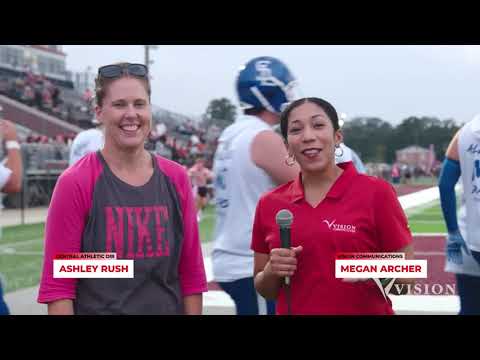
{"x":284,"y":219}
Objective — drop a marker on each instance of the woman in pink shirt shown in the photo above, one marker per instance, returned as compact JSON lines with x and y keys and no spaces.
{"x":125,"y":200}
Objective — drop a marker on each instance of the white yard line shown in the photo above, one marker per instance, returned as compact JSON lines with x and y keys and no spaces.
{"x":421,"y":197}
{"x":429,"y":234}
{"x":19,"y":243}
{"x":11,"y":251}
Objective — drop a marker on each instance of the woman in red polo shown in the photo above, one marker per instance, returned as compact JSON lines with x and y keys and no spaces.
{"x":335,"y":209}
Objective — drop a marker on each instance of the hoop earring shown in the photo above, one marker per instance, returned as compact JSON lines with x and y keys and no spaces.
{"x":341,"y":149}
{"x":290,"y":160}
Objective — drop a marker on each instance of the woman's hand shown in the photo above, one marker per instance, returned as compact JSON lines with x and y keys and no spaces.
{"x":283,"y":262}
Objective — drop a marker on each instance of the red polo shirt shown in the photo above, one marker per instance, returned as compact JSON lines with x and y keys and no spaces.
{"x":377,"y":224}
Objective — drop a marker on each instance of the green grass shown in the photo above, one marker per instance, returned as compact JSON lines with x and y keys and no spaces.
{"x":22,"y":232}
{"x":207,"y":224}
{"x":417,"y":228}
{"x":22,"y":269}
{"x":426,"y":218}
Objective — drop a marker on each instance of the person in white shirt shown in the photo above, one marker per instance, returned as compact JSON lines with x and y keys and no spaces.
{"x":11,"y":173}
{"x":250,"y":160}
{"x":85,"y":142}
{"x":348,"y":154}
{"x":462,"y":161}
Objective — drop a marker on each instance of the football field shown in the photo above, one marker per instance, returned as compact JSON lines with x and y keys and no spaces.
{"x":21,"y":247}
{"x":426,"y":219}
{"x":21,"y":254}
{"x":21,"y":251}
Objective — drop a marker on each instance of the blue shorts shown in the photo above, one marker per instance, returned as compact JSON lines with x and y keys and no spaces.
{"x":3,"y":305}
{"x":468,"y":288}
{"x":247,"y":300}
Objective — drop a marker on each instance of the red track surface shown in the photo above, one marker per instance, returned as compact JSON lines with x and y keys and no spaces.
{"x":431,"y":248}
{"x":408,"y":189}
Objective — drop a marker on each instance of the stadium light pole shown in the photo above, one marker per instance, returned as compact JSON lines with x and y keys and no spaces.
{"x":147,"y":49}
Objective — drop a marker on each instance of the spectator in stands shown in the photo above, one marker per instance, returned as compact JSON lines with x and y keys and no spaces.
{"x":38,"y":90}
{"x":55,"y":97}
{"x":175,"y":152}
{"x":30,"y":78}
{"x":28,"y":95}
{"x":46,"y":98}
{"x":10,"y":174}
{"x":18,"y":89}
{"x":4,"y":86}
{"x":87,"y":96}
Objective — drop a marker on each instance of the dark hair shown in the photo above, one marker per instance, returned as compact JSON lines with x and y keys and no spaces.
{"x":200,"y":156}
{"x":102,"y":83}
{"x":323,"y":104}
{"x":253,"y":111}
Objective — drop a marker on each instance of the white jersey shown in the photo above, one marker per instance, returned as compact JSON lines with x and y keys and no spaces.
{"x":350,"y":155}
{"x":5,"y":174}
{"x":239,"y":183}
{"x":84,"y":143}
{"x":469,"y":154}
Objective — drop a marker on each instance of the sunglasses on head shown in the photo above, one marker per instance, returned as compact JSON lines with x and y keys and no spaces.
{"x":114,"y":71}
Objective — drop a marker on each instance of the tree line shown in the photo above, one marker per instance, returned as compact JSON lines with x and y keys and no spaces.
{"x":374,"y":139}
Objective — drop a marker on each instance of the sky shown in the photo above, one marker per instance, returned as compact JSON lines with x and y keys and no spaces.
{"x":391,"y":82}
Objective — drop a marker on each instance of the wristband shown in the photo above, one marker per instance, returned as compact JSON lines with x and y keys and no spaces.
{"x":12,"y":144}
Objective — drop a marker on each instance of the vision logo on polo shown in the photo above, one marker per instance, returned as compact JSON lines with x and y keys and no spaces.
{"x":340,"y":227}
